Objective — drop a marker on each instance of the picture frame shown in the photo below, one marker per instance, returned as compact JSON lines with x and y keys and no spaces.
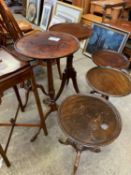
{"x":105,"y":37}
{"x":68,"y":12}
{"x":46,"y":14}
{"x":33,"y":10}
{"x":52,"y":2}
{"x":55,"y":20}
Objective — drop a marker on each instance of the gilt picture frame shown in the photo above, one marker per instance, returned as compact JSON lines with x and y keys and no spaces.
{"x":68,"y":12}
{"x":105,"y":37}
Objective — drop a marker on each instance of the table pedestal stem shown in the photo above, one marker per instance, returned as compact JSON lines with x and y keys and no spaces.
{"x":69,"y":72}
{"x":51,"y":91}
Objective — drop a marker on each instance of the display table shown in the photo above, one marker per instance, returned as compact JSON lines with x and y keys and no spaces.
{"x":49,"y":46}
{"x":89,"y":122}
{"x":110,"y":58}
{"x":78,"y":30}
{"x":109,"y":81}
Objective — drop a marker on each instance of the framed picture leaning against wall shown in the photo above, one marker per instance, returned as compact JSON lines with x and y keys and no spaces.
{"x":105,"y":37}
{"x":46,"y":14}
{"x":33,"y":11}
{"x":68,"y":12}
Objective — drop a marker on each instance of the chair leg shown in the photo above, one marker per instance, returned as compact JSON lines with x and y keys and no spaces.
{"x":39,"y":107}
{"x":18,"y":98}
{"x":3,"y":154}
{"x":59,"y":68}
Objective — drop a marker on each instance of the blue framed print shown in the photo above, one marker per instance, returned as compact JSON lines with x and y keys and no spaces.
{"x":105,"y":37}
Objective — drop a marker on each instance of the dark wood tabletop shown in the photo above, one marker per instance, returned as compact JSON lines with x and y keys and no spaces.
{"x":109,"y":81}
{"x":47,"y":45}
{"x":110,"y":58}
{"x":89,"y":120}
{"x":79,"y":30}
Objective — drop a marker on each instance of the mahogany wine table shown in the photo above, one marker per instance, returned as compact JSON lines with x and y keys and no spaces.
{"x":49,"y":46}
{"x":109,"y":81}
{"x":78,"y":30}
{"x":89,"y":122}
{"x":110,"y":58}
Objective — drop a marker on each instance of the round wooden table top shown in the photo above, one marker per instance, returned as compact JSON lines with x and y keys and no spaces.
{"x":89,"y":120}
{"x":109,"y":81}
{"x":47,"y":45}
{"x":110,"y":58}
{"x":79,"y":30}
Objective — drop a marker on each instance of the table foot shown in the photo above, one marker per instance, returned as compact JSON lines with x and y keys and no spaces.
{"x":104,"y":96}
{"x":52,"y":109}
{"x":36,"y":135}
{"x":2,"y":152}
{"x":77,"y":161}
{"x":79,"y":148}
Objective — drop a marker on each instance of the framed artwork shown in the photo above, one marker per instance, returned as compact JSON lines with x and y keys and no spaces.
{"x":46,"y":14}
{"x":52,"y":2}
{"x":33,"y":11}
{"x":105,"y":37}
{"x":68,"y":12}
{"x":55,"y":20}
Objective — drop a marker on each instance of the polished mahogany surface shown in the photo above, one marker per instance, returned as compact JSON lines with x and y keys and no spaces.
{"x":47,"y":45}
{"x":89,"y":120}
{"x":79,"y":30}
{"x":109,"y":81}
{"x":110,"y":58}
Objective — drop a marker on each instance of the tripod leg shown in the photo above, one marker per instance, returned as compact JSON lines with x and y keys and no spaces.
{"x":39,"y":107}
{"x":4,"y":156}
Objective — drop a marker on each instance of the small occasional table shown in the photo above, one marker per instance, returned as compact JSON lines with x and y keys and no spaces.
{"x":78,"y":30}
{"x":110,"y":58}
{"x":89,"y":122}
{"x":49,"y":46}
{"x":109,"y":81}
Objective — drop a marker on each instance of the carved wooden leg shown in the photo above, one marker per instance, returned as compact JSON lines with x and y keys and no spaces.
{"x":104,"y":96}
{"x":3,"y":154}
{"x":51,"y":90}
{"x":19,"y":98}
{"x":79,"y":148}
{"x":39,"y":107}
{"x":69,"y":73}
{"x":77,"y":161}
{"x":59,"y":68}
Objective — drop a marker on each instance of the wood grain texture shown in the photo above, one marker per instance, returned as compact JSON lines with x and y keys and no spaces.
{"x":109,"y":81}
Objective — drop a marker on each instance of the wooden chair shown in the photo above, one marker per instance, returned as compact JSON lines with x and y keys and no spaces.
{"x":14,"y":30}
{"x":23,"y":25}
{"x":12,"y":73}
{"x":105,"y":16}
